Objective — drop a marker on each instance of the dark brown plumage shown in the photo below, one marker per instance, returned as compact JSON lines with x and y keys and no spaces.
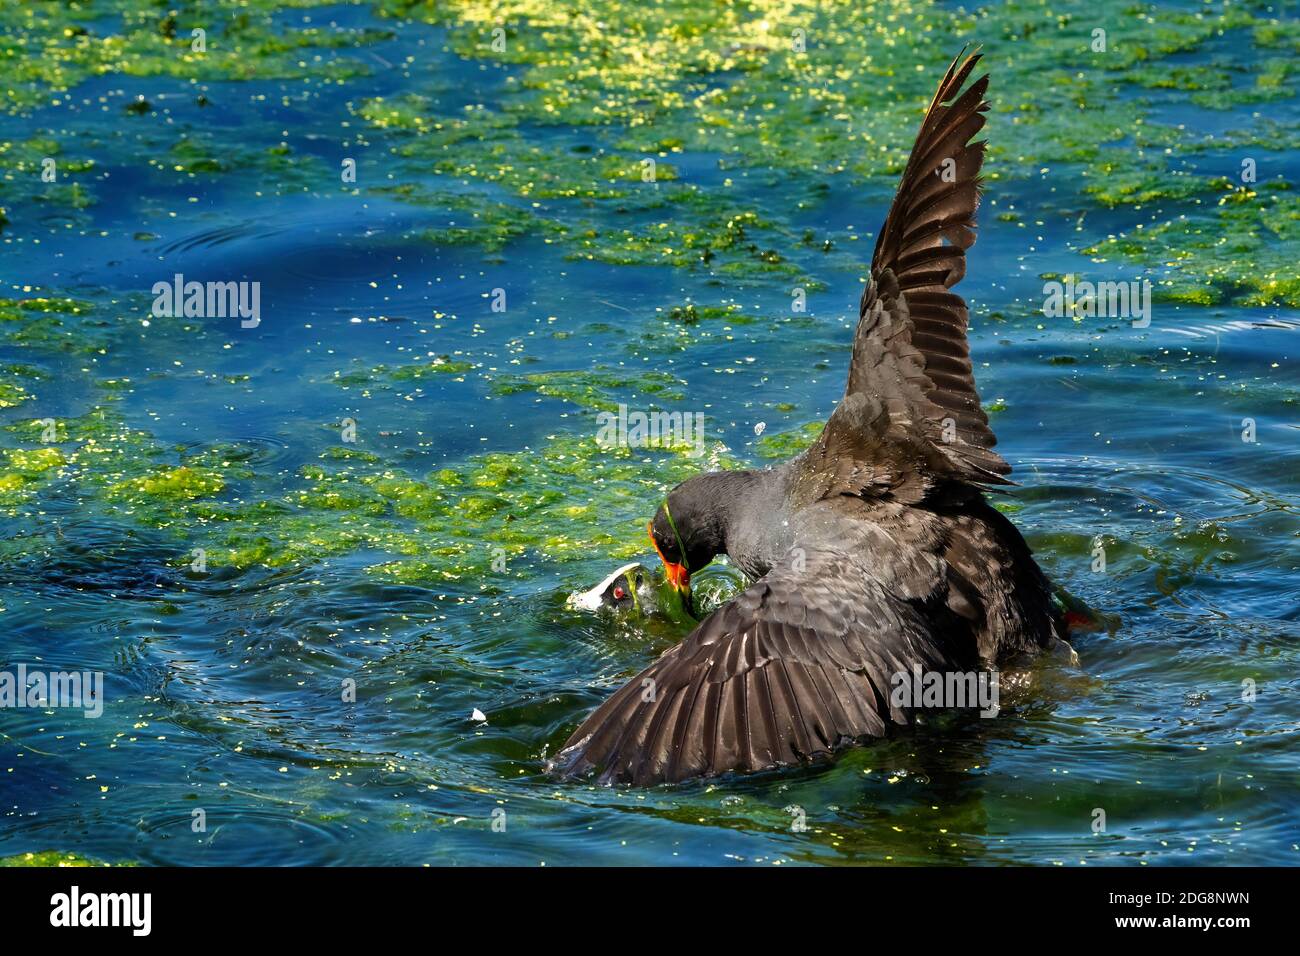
{"x":872,"y":551}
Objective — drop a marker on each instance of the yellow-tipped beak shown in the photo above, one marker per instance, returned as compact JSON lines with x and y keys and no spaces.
{"x":678,"y":576}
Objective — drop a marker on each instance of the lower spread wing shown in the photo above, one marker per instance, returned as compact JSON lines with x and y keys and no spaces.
{"x":792,"y":669}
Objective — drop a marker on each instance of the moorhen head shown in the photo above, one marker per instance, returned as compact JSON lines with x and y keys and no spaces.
{"x":690,"y":528}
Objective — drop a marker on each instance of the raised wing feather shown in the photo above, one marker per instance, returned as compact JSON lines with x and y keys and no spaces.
{"x":911,"y":420}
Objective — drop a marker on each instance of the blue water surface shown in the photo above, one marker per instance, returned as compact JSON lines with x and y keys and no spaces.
{"x":222,"y":691}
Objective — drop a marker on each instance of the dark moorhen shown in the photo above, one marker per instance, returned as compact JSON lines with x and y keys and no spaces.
{"x":871,"y":552}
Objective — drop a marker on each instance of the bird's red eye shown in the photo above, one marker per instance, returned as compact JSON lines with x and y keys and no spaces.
{"x":619,"y":594}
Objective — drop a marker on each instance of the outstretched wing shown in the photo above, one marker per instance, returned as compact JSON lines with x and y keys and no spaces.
{"x":911,"y":419}
{"x":791,"y":670}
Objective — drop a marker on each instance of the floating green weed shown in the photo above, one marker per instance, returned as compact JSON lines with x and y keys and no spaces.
{"x":598,"y":388}
{"x":786,"y":444}
{"x":388,"y":376}
{"x":47,"y":49}
{"x":53,"y":858}
{"x":1242,"y":246}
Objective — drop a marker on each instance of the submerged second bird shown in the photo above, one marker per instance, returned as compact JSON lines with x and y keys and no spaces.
{"x":873,"y":553}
